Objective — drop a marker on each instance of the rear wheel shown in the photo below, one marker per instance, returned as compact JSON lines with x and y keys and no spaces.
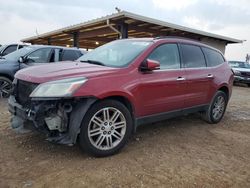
{"x":105,"y":128}
{"x":248,"y":85}
{"x":5,"y":87}
{"x":216,"y":109}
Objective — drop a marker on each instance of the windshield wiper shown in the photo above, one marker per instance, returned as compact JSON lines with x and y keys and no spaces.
{"x":93,"y":62}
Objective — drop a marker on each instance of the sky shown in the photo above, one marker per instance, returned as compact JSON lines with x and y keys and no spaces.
{"x":24,"y":18}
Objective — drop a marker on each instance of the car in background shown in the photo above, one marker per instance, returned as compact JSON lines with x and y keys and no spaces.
{"x":241,"y":72}
{"x":7,"y":49}
{"x":100,"y":99}
{"x":30,"y":56}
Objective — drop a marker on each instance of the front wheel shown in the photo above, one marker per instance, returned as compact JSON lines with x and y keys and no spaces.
{"x":106,"y":128}
{"x":5,"y":87}
{"x":216,"y":109}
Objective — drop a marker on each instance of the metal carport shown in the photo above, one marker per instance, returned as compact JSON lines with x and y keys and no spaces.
{"x":94,"y":33}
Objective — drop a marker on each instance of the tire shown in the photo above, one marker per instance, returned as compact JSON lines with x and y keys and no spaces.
{"x":5,"y":87}
{"x":248,"y":85}
{"x":216,"y":109}
{"x":102,"y":138}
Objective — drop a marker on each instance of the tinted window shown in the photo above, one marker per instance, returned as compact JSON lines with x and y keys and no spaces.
{"x":167,"y":55}
{"x":70,"y":55}
{"x":213,"y":58}
{"x":39,"y":56}
{"x":192,"y":56}
{"x":10,"y":49}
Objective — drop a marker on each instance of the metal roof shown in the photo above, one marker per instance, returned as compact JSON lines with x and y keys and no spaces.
{"x":96,"y":32}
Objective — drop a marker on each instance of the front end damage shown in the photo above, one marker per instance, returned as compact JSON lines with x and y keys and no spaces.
{"x":60,"y":119}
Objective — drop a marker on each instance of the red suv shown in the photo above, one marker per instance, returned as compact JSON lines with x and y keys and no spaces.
{"x":102,"y":98}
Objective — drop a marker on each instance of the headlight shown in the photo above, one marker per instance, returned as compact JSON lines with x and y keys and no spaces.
{"x":59,"y":88}
{"x":237,"y":73}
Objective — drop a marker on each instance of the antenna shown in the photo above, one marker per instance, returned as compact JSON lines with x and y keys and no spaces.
{"x":37,"y":32}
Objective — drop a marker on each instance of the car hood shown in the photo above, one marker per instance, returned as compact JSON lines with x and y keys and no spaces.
{"x":62,"y":70}
{"x":241,"y":69}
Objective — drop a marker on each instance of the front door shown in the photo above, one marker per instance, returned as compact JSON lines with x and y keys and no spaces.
{"x":163,"y":90}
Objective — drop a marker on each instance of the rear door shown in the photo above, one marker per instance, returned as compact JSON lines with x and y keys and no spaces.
{"x":163,"y":90}
{"x":198,"y":77}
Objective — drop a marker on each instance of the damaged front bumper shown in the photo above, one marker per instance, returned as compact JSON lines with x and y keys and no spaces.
{"x":60,"y":119}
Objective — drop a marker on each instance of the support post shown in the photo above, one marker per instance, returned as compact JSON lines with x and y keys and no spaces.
{"x":123,"y":28}
{"x":76,"y":39}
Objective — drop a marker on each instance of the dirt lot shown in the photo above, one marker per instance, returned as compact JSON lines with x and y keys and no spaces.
{"x":182,"y":152}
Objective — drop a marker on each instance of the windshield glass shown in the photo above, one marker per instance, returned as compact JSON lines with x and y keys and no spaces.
{"x":14,"y":56}
{"x":116,"y":54}
{"x":2,"y":47}
{"x":237,"y":64}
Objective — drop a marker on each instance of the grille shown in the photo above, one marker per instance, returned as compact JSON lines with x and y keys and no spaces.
{"x":23,"y":90}
{"x":245,"y":74}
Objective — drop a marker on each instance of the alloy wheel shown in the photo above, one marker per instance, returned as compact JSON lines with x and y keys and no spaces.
{"x":219,"y":107}
{"x":107,"y":128}
{"x":5,"y":88}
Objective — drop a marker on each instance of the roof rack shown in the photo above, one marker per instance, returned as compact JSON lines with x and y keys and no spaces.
{"x":176,"y":37}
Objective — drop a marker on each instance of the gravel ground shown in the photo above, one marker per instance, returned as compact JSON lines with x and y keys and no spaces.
{"x":181,"y":152}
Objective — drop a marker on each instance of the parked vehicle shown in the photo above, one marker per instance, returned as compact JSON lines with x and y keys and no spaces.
{"x":241,"y":71}
{"x":109,"y":92}
{"x":29,"y":56}
{"x":7,"y":49}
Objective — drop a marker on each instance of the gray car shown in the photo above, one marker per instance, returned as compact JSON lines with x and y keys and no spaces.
{"x":241,"y":71}
{"x":30,"y":56}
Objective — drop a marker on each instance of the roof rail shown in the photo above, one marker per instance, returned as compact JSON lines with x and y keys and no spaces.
{"x":176,"y":37}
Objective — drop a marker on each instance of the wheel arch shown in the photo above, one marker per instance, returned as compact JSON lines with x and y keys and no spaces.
{"x":225,"y":89}
{"x":6,"y":76}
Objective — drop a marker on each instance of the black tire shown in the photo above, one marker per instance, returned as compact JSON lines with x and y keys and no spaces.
{"x":84,"y":138}
{"x":208,"y":114}
{"x":248,"y":85}
{"x":5,"y":91}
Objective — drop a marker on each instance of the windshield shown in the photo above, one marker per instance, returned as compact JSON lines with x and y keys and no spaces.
{"x":14,"y":56}
{"x":2,"y":47}
{"x":238,"y":64}
{"x":116,"y":54}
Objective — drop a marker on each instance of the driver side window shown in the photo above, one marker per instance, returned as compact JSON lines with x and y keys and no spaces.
{"x":39,"y":56}
{"x":167,"y":55}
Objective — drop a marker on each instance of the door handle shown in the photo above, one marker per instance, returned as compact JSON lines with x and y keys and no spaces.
{"x":180,"y":79}
{"x":210,"y":76}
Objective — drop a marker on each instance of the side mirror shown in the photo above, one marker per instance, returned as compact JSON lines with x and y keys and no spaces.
{"x":150,"y":65}
{"x":21,"y":59}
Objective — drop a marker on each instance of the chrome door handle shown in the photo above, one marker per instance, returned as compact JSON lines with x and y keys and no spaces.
{"x":180,"y":79}
{"x":210,"y":76}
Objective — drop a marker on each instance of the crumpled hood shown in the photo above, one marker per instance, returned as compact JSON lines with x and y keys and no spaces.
{"x":61,"y":70}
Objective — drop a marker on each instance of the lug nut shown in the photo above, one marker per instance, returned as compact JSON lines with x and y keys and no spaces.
{"x":103,"y":128}
{"x":110,"y":123}
{"x":105,"y":123}
{"x":104,"y":132}
{"x":109,"y":132}
{"x":112,"y":128}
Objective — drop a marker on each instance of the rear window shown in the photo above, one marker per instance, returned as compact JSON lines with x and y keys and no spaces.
{"x":70,"y":55}
{"x":192,"y":56}
{"x":213,"y":58}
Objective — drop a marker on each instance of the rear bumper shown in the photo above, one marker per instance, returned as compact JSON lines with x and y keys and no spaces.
{"x":241,"y":79}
